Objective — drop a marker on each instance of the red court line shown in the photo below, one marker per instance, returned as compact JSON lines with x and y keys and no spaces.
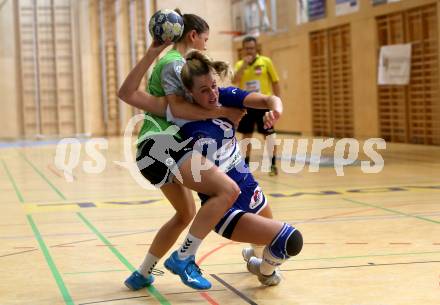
{"x":213,"y":251}
{"x":205,"y":295}
{"x":356,"y":243}
{"x":53,"y":170}
{"x":210,"y":300}
{"x":347,"y":213}
{"x":400,"y":243}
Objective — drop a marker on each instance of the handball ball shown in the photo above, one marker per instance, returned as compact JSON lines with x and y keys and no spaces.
{"x":166,"y":26}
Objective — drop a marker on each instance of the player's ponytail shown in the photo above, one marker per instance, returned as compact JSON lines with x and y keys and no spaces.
{"x":192,"y":22}
{"x":198,"y":64}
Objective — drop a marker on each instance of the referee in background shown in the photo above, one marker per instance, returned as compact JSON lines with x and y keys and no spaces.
{"x":256,"y":73}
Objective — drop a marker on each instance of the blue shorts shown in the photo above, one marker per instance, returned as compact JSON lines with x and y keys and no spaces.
{"x":251,"y":200}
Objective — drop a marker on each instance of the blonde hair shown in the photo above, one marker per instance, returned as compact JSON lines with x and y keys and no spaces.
{"x":198,"y":64}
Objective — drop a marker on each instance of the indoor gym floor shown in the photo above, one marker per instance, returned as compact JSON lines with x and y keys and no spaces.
{"x":369,"y":238}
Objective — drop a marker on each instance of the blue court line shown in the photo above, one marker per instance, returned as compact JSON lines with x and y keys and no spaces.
{"x":32,"y":143}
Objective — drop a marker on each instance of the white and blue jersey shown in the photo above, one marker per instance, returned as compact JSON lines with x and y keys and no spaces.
{"x":215,"y":140}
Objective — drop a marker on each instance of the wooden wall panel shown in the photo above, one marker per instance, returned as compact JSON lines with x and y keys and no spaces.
{"x":364,"y":36}
{"x":109,"y":73}
{"x":331,"y":82}
{"x":29,"y":69}
{"x":410,"y":113}
{"x":320,"y":83}
{"x":10,"y":115}
{"x":46,"y":51}
{"x":423,"y":91}
{"x":392,"y":99}
{"x":341,"y":81}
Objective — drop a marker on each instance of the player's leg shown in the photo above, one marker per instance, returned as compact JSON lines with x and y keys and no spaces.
{"x":242,"y":223}
{"x":180,"y":197}
{"x":269,"y":139}
{"x":222,"y":192}
{"x":246,"y":138}
{"x":183,"y":202}
{"x":256,"y":249}
{"x":246,"y":128}
{"x":282,"y":241}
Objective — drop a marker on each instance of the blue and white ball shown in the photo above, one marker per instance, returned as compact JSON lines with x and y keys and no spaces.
{"x":166,"y":26}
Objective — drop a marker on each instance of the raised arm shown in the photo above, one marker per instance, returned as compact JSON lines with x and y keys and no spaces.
{"x":129,"y":91}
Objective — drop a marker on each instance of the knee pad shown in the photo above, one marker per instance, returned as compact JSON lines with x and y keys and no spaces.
{"x":287,"y":243}
{"x":294,"y":243}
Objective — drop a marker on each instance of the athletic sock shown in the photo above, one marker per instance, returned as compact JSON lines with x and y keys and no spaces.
{"x":146,"y":268}
{"x":189,"y":247}
{"x":269,"y":262}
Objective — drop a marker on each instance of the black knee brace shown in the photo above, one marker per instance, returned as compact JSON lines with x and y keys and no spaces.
{"x":294,"y":243}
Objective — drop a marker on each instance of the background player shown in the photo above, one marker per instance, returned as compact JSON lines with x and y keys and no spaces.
{"x":256,"y":73}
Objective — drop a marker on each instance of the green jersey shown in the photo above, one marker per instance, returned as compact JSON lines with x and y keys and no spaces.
{"x":164,"y":80}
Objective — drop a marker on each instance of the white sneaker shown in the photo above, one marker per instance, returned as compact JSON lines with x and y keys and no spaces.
{"x":247,"y":253}
{"x":253,"y":266}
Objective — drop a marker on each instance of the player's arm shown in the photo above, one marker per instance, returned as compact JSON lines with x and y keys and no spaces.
{"x":193,"y":112}
{"x":129,"y":91}
{"x":181,"y":108}
{"x":261,"y":101}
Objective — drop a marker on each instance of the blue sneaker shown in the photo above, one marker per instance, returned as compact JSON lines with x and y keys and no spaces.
{"x":189,"y":272}
{"x":137,"y":281}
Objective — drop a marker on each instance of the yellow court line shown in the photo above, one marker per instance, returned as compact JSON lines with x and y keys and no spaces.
{"x":80,"y":205}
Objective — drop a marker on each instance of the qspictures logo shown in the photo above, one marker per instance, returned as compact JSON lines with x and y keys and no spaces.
{"x":161,"y":149}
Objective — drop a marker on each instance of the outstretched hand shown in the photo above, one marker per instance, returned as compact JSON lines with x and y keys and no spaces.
{"x":157,"y":47}
{"x":270,"y":118}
